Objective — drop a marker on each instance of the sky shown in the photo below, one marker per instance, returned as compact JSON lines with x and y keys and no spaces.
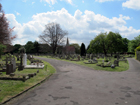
{"x":83,"y":19}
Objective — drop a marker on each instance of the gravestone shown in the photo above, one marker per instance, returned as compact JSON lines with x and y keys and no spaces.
{"x":102,"y":56}
{"x":116,"y":63}
{"x":20,"y":67}
{"x":13,"y":62}
{"x":78,"y":58}
{"x":11,"y":67}
{"x":91,"y":56}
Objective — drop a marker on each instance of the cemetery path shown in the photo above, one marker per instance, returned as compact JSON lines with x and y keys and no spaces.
{"x":78,"y":85}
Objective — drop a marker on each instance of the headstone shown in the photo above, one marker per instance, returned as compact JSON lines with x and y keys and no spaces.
{"x":102,"y":55}
{"x":116,"y":63}
{"x":91,"y":56}
{"x":78,"y":58}
{"x":24,"y":59}
{"x":14,"y":64}
{"x":9,"y":69}
{"x":20,"y":67}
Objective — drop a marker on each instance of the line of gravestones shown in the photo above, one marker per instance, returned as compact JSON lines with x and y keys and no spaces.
{"x":92,"y":59}
{"x":10,"y":67}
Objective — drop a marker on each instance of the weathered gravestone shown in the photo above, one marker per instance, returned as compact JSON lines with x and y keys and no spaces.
{"x":116,"y":63}
{"x":78,"y":57}
{"x":24,"y":59}
{"x":13,"y":61}
{"x":91,"y":56}
{"x":21,"y":67}
{"x":11,"y":67}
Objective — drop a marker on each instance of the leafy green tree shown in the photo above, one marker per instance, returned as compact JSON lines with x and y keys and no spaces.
{"x":106,"y":43}
{"x":22,"y":50}
{"x":125,"y":45}
{"x":115,"y":42}
{"x":83,"y":50}
{"x":29,"y":47}
{"x":98,"y":45}
{"x":36,"y":47}
{"x":138,"y":48}
{"x":77,"y":48}
{"x":133,"y":44}
{"x":16,"y":48}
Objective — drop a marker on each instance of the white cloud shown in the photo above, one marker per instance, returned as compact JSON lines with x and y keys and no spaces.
{"x":18,"y":14}
{"x":133,"y":4}
{"x":82,"y":27}
{"x":55,"y":1}
{"x":83,"y":1}
{"x":50,"y":1}
{"x":103,"y":0}
{"x":33,"y":3}
{"x":69,"y":1}
{"x":24,"y":0}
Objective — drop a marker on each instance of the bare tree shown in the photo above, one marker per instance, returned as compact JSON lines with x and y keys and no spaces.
{"x":53,"y":35}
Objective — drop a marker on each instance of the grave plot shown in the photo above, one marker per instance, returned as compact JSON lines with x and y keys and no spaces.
{"x":8,"y":68}
{"x":35,"y":64}
{"x":76,"y":58}
{"x":92,"y":61}
{"x":20,"y":77}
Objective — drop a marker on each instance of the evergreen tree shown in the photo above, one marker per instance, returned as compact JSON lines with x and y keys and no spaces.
{"x":83,"y":50}
{"x":36,"y":47}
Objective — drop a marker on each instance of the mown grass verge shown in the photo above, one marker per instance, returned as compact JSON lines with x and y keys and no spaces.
{"x":10,"y":88}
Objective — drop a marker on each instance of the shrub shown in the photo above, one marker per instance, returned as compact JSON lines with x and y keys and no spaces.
{"x":106,"y":60}
{"x":138,"y":48}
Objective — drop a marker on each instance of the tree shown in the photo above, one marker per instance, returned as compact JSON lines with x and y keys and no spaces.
{"x":53,"y":35}
{"x":77,"y":48}
{"x":16,"y":48}
{"x":29,"y":47}
{"x":36,"y":47}
{"x":125,"y":45}
{"x":5,"y":32}
{"x":83,"y":50}
{"x":106,"y":43}
{"x":115,"y":42}
{"x":22,"y":50}
{"x":2,"y":47}
{"x":98,"y":45}
{"x":133,"y":44}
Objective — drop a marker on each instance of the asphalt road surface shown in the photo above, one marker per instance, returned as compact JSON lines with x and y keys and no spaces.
{"x":78,"y":85}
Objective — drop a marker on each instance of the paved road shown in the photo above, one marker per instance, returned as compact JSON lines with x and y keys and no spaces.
{"x":79,"y":85}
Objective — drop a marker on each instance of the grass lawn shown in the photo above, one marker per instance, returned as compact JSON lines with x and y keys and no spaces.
{"x":10,"y":88}
{"x":122,"y":65}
